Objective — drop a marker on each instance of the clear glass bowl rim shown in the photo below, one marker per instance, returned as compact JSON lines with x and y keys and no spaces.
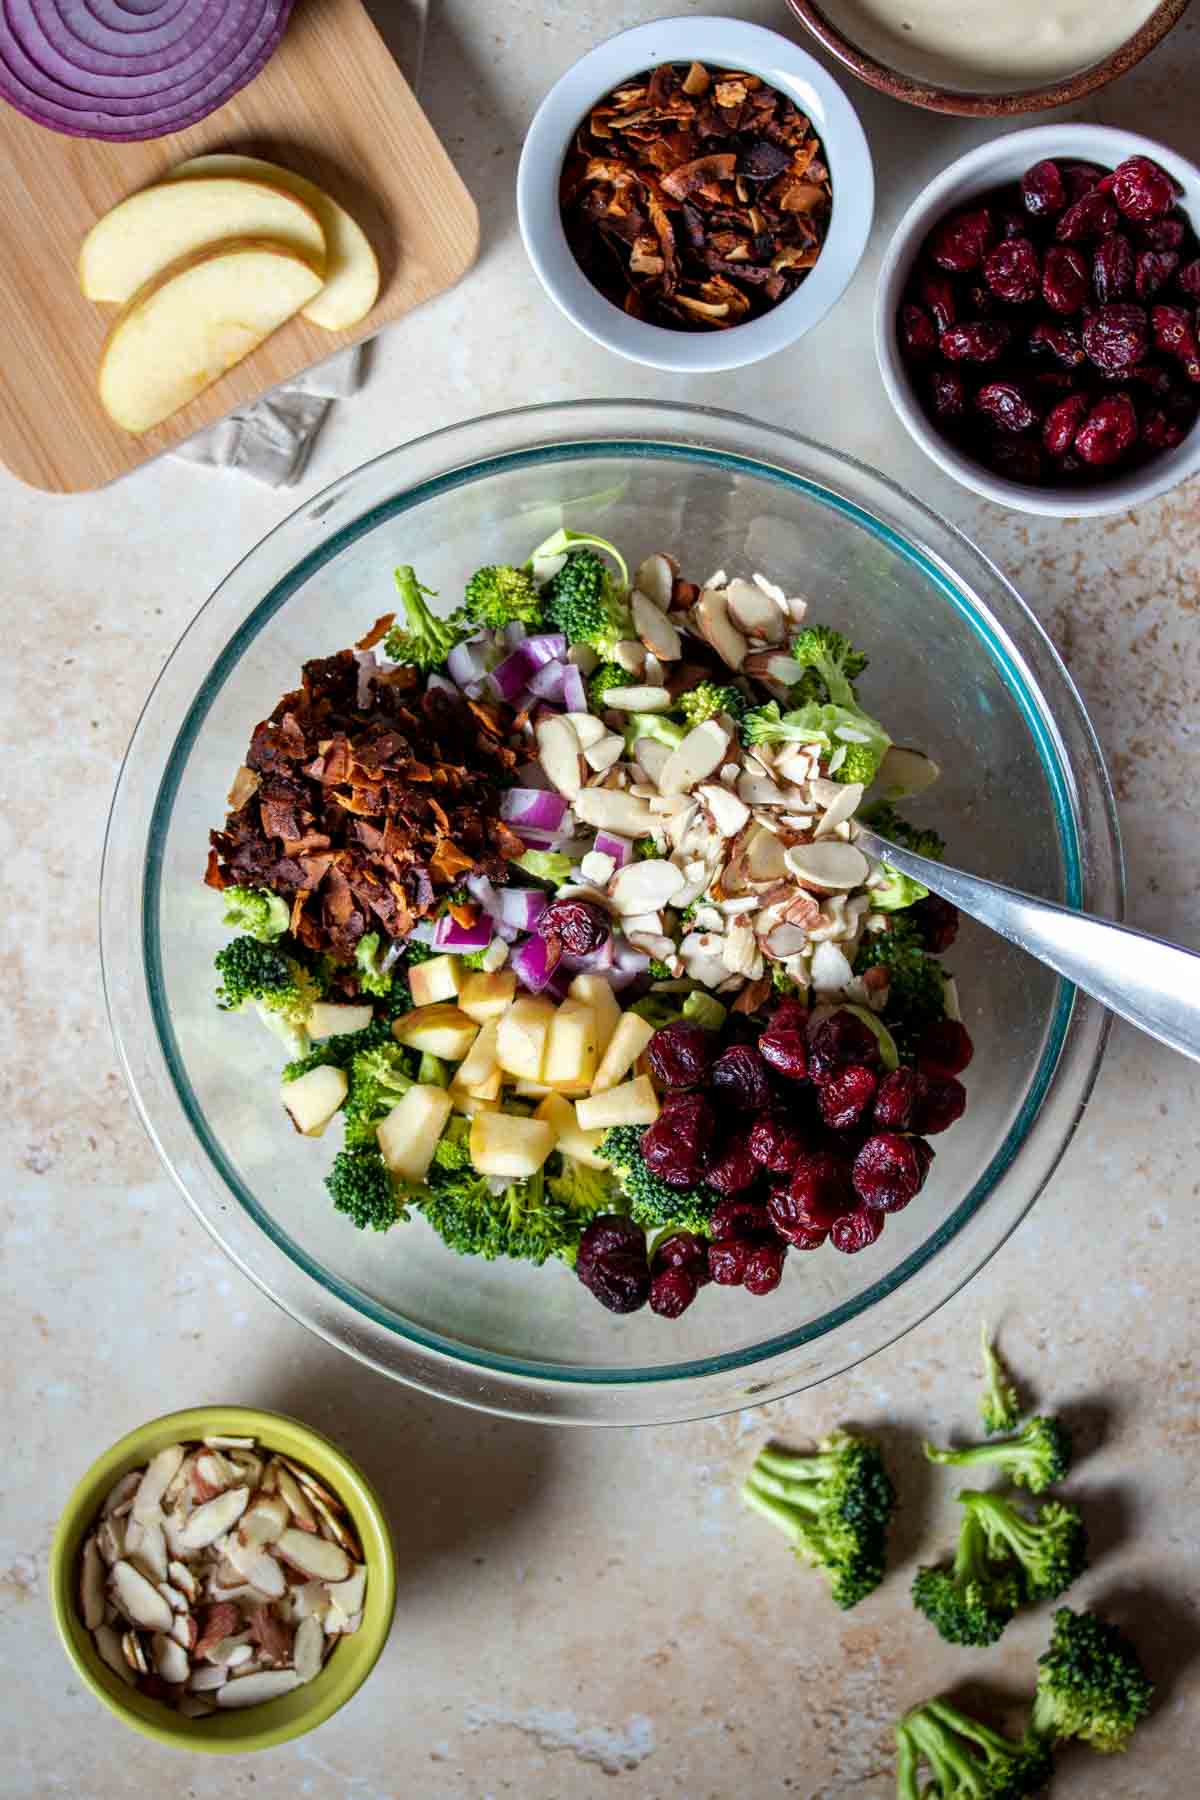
{"x":261,"y":582}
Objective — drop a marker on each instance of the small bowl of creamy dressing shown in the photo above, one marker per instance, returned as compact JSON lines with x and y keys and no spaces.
{"x":988,"y":58}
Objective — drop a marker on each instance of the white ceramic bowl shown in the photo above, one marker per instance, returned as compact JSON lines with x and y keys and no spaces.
{"x":991,"y":165}
{"x":733,"y":45}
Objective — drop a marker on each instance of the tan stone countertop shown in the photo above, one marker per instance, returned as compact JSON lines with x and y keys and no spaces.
{"x":589,"y":1613}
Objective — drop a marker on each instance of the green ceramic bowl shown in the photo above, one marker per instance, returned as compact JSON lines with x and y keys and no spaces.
{"x":258,"y":1727}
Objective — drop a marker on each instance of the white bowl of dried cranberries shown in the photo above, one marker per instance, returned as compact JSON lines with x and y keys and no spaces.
{"x":1037,"y":320}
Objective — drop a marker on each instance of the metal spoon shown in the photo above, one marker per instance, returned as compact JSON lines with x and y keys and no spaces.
{"x":1153,"y":984}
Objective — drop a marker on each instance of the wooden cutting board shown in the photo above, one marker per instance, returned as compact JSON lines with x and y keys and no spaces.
{"x":330,"y":104}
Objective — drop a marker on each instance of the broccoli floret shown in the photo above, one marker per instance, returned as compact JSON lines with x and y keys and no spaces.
{"x":967,"y":1760}
{"x":522,"y":1220}
{"x":832,"y":663}
{"x":378,"y":1080}
{"x":361,"y":1187}
{"x":550,"y":866}
{"x":653,"y":725}
{"x":263,"y":976}
{"x":608,"y":675}
{"x":371,"y":978}
{"x":453,"y":1147}
{"x":256,"y":911}
{"x":659,"y":970}
{"x":583,"y":600}
{"x":883,"y":818}
{"x":700,"y":1008}
{"x":416,"y":952}
{"x":781,"y":981}
{"x":973,"y":1600}
{"x":1090,"y":1684}
{"x":644,"y":848}
{"x":582,"y":1191}
{"x":917,"y":981}
{"x":1037,"y":1457}
{"x":706,"y":700}
{"x":896,"y":891}
{"x":687,"y":916}
{"x":474,"y":959}
{"x":500,"y":595}
{"x":424,"y":641}
{"x":340,"y":1051}
{"x":999,"y":1404}
{"x":651,"y":1203}
{"x":851,"y":742}
{"x":657,"y":1009}
{"x":834,"y":1504}
{"x":1049,"y":1551}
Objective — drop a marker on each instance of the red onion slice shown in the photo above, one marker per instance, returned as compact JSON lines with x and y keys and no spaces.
{"x":197,"y":25}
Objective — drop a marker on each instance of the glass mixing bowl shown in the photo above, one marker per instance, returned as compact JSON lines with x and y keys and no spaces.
{"x":958,"y":666}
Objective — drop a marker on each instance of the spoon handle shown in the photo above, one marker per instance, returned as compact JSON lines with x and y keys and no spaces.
{"x":1153,"y":984}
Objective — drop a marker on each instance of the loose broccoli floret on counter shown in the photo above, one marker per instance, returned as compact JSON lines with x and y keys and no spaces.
{"x":522,"y":1220}
{"x":973,"y":1600}
{"x":999,"y":1404}
{"x":379,"y":1078}
{"x":653,"y":725}
{"x":916,"y":981}
{"x":649,"y":1199}
{"x":583,"y":600}
{"x":361,"y":1187}
{"x":1049,"y":1551}
{"x":423,"y":640}
{"x":608,"y":675}
{"x":831,"y":663}
{"x":372,"y":978}
{"x":967,"y":1760}
{"x":500,"y":595}
{"x":883,"y":818}
{"x":852,"y":744}
{"x":550,"y":866}
{"x":1090,"y":1684}
{"x":706,"y":700}
{"x":280,"y":989}
{"x":256,"y":911}
{"x":340,"y":1051}
{"x":1037,"y":1457}
{"x":834,"y":1504}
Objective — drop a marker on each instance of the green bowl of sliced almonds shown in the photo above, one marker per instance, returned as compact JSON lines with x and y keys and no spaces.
{"x":223,"y":1579}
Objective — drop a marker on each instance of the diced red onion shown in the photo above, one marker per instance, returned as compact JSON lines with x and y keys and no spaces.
{"x":522,"y":907}
{"x":595,"y":962}
{"x":628,"y":958}
{"x":467,"y":662}
{"x":574,"y":694}
{"x":559,"y":983}
{"x":514,"y":634}
{"x":367,"y":669}
{"x":536,"y":807}
{"x":440,"y":683}
{"x":422,"y":932}
{"x":620,"y":979}
{"x":534,"y":962}
{"x":515,"y":671}
{"x":549,"y":683}
{"x":547,"y":646}
{"x":481,"y":889}
{"x":619,"y":848}
{"x":459,"y":939}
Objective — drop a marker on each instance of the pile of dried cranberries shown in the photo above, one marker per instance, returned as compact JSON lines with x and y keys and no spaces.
{"x":1050,"y":328}
{"x":800,"y":1138}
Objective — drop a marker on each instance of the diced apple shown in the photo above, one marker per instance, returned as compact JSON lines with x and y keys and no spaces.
{"x":504,"y":1144}
{"x":408,"y":1136}
{"x":486,"y":1090}
{"x":624,"y":1047}
{"x":328,"y":1020}
{"x":438,"y":1030}
{"x":572,"y":1140}
{"x":521,"y":1040}
{"x":571,"y":1053}
{"x":313,"y":1099}
{"x":633,"y":1103}
{"x":481,"y":1061}
{"x":537,"y":1090}
{"x":484,"y":997}
{"x":470,"y":1104}
{"x":596,"y":991}
{"x":441,"y":978}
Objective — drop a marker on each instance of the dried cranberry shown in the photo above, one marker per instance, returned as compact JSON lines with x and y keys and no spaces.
{"x":776,"y":1143}
{"x":1189,"y":278}
{"x":962,"y":241}
{"x":1175,"y":335}
{"x":1116,"y":337}
{"x":981,"y":341}
{"x":680,"y":1054}
{"x":671,"y":1293}
{"x":1043,"y":190}
{"x":1109,"y":430}
{"x":819,"y":1192}
{"x":728,"y":1259}
{"x":855,"y":1230}
{"x":1064,"y":280}
{"x":945,"y":1048}
{"x":840,"y":1040}
{"x":1141,"y":189}
{"x":674,"y":1147}
{"x":1158,"y":377}
{"x":889,"y":1170}
{"x":1162,"y":234}
{"x":764,"y":1267}
{"x":611,"y":1263}
{"x":731,"y":1169}
{"x":1088,"y":217}
{"x":918,"y":335}
{"x":608,"y":1234}
{"x":1016,"y":458}
{"x":1062,"y":422}
{"x":1112,"y":268}
{"x":577,"y":925}
{"x":897,"y":1098}
{"x":785,"y":1047}
{"x":1152,"y":271}
{"x":1047,"y":386}
{"x":739,"y":1219}
{"x":942,"y":1101}
{"x":937,"y":921}
{"x":1012,"y":271}
{"x":1059,"y":340}
{"x":947,"y":394}
{"x":681,"y":1250}
{"x":1007,"y":405}
{"x":1164,"y":429}
{"x":739,"y":1077}
{"x":937,"y":295}
{"x":845,"y":1097}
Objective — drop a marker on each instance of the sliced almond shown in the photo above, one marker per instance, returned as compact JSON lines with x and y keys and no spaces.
{"x":160,"y":1472}
{"x":134,"y":1652}
{"x":829,"y":970}
{"x":108,"y":1646}
{"x":654,"y":628}
{"x":170,"y":1658}
{"x":249,"y":1467}
{"x":844,"y":807}
{"x":729,"y":813}
{"x":645,"y":887}
{"x":264,"y":1519}
{"x":763,"y":857}
{"x":905,"y":772}
{"x":609,"y":809}
{"x":587,"y":728}
{"x":604,"y":753}
{"x":258,"y":1567}
{"x":335,"y":1526}
{"x":559,"y":755}
{"x":651,"y":757}
{"x":655,"y":579}
{"x":828,"y":867}
{"x":120,"y":1496}
{"x":349,"y":1594}
{"x":185,"y":1631}
{"x":138,"y":1599}
{"x":220,"y":1622}
{"x":754,"y":612}
{"x":205,"y":1678}
{"x":230,"y":1443}
{"x":316,"y":1557}
{"x":297,"y":1501}
{"x":91,"y":1585}
{"x":214,"y":1518}
{"x":174,"y":1599}
{"x":702,"y":751}
{"x":759,"y":790}
{"x":309,"y":1598}
{"x":630,"y":656}
{"x":786,"y":940}
{"x":711,"y":615}
{"x":151,"y":1552}
{"x":194,"y":1706}
{"x":110,"y":1540}
{"x":252,"y":1690}
{"x":272,"y":1636}
{"x":598,"y":866}
{"x":211,"y":1474}
{"x":638,"y":699}
{"x":308,"y":1648}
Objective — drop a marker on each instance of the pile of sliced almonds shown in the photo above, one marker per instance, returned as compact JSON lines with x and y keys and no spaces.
{"x":220,"y":1576}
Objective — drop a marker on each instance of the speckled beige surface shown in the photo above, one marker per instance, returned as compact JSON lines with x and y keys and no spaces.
{"x":586,"y":1614}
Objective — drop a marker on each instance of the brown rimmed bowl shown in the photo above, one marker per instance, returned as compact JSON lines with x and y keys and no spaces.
{"x":937,"y":96}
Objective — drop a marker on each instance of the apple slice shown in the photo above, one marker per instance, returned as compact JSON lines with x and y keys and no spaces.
{"x":408,"y":1136}
{"x":351,"y":271}
{"x":441,"y":1030}
{"x":505,"y":1144}
{"x":484,"y":996}
{"x":622,"y":1051}
{"x":521,"y":1036}
{"x":633,"y":1103}
{"x":195,"y":320}
{"x":572,"y":1140}
{"x":481,"y":1063}
{"x":328,"y":1018}
{"x":441,"y":978}
{"x":313,"y":1099}
{"x":571,"y":1052}
{"x":596,"y":991}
